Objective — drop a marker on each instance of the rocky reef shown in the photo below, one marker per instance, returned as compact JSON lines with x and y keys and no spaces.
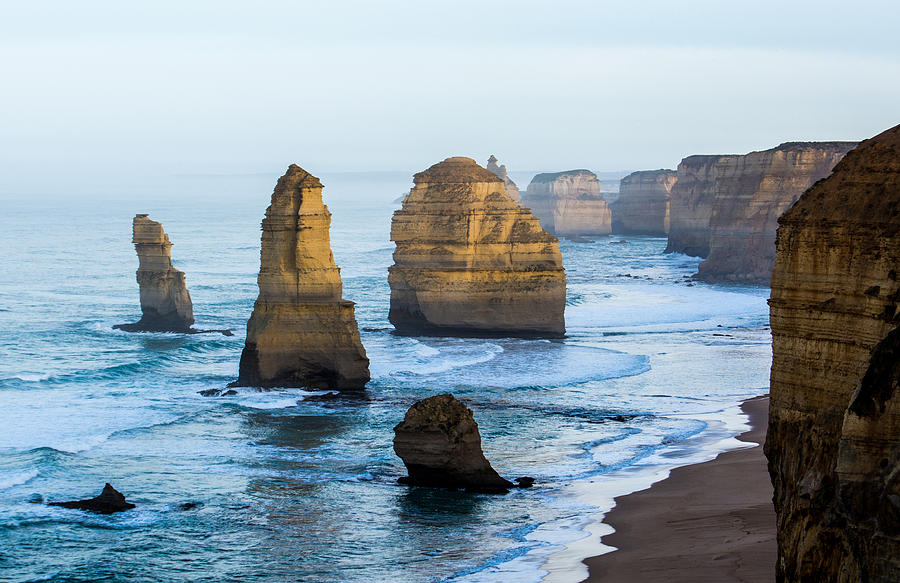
{"x":751,"y":192}
{"x":511,"y":189}
{"x":643,"y":204}
{"x":301,"y":333}
{"x":109,"y":501}
{"x":470,"y":261}
{"x":440,"y":445}
{"x":165,"y":301}
{"x":569,"y":204}
{"x":833,"y":442}
{"x":690,"y":205}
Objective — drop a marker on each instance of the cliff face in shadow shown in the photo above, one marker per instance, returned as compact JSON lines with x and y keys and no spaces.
{"x":470,"y":261}
{"x":301,"y":333}
{"x":751,"y":192}
{"x":690,"y":205}
{"x":643,"y":204}
{"x":834,"y":434}
{"x":569,"y":203}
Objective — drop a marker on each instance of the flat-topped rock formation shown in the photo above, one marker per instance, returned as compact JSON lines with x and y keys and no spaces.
{"x":301,"y":333}
{"x":569,"y":203}
{"x":165,"y":301}
{"x":511,"y":189}
{"x":440,"y":445}
{"x":643,"y":204}
{"x":470,"y":261}
{"x":751,"y":192}
{"x":834,"y":434}
{"x":690,"y":205}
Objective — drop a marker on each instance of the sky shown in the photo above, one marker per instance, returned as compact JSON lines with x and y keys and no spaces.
{"x":95,"y":92}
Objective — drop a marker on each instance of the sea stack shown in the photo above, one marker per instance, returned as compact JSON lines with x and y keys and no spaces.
{"x":469,"y":261}
{"x":690,"y":205}
{"x":165,"y":301}
{"x":301,"y":333}
{"x":511,"y":189}
{"x":643,"y":204}
{"x":751,"y":192}
{"x":569,"y":204}
{"x":833,"y":442}
{"x":440,"y":445}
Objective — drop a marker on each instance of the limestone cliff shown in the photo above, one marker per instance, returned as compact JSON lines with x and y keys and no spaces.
{"x":690,"y":205}
{"x":470,"y":261}
{"x":301,"y":333}
{"x":643,"y":204}
{"x":511,"y":189}
{"x":751,"y":192}
{"x":834,"y":433}
{"x":165,"y":301}
{"x":569,"y":203}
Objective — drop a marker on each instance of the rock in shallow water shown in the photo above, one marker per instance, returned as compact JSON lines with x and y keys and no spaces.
{"x":109,"y":501}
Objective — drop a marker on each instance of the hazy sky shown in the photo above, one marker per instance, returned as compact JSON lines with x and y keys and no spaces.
{"x":97,"y":90}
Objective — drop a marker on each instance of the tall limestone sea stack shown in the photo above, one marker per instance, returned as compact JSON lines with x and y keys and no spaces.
{"x":301,"y":333}
{"x":511,"y":189}
{"x":691,"y":204}
{"x":165,"y":301}
{"x":643,"y":204}
{"x":834,"y":434}
{"x":569,"y":203}
{"x":470,"y":261}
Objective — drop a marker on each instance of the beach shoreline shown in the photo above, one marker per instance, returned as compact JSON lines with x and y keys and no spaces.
{"x":711,"y":521}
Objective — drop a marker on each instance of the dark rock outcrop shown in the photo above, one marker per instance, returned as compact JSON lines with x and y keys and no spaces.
{"x":109,"y":501}
{"x":440,"y":445}
{"x":834,"y":433}
{"x":643,"y":204}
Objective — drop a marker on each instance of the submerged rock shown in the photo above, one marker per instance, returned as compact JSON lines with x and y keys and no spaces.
{"x":440,"y":445}
{"x":109,"y":501}
{"x":511,"y":189}
{"x":833,"y":441}
{"x":470,"y":261}
{"x":301,"y":333}
{"x":569,"y":203}
{"x":643,"y":204}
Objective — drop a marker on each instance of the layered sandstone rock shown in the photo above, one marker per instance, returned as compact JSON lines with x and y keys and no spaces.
{"x":440,"y":445}
{"x":470,"y":261}
{"x":643,"y":204}
{"x":165,"y":301}
{"x":301,"y":333}
{"x":834,"y":433}
{"x":511,"y":189}
{"x":690,"y":205}
{"x":569,"y":203}
{"x":751,"y":192}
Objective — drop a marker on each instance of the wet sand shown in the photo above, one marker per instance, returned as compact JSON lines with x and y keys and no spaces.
{"x":706,"y":522}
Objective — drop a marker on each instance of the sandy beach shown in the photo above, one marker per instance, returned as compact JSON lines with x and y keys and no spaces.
{"x":706,"y":522}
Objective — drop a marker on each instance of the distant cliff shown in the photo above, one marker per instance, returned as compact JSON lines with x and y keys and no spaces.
{"x":834,"y":434}
{"x":569,"y":203}
{"x":691,"y":204}
{"x":643,"y":204}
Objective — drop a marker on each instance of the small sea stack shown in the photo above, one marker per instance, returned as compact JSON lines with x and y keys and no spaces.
{"x":109,"y":501}
{"x":165,"y":301}
{"x":511,"y":189}
{"x":569,"y":204}
{"x":440,"y":445}
{"x":301,"y":333}
{"x":469,"y":261}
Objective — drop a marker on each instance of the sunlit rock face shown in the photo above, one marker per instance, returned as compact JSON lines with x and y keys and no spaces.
{"x":690,"y":205}
{"x":165,"y":301}
{"x":511,"y":189}
{"x":470,"y":261}
{"x":440,"y":445}
{"x":833,"y":442}
{"x":569,"y":203}
{"x":643,"y":204}
{"x":301,"y":333}
{"x":751,"y":192}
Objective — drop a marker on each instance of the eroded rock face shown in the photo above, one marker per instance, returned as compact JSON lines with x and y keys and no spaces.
{"x":470,"y":261}
{"x":109,"y":501}
{"x":569,"y":203}
{"x":690,"y":205}
{"x":643,"y":204}
{"x":751,"y":192}
{"x":440,"y":445}
{"x":165,"y":301}
{"x":301,"y":333}
{"x":834,"y":434}
{"x":511,"y":189}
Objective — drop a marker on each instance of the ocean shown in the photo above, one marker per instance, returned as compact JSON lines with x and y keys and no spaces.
{"x":286,"y":485}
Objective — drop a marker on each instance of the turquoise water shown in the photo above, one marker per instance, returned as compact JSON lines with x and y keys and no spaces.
{"x":288,"y":486}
